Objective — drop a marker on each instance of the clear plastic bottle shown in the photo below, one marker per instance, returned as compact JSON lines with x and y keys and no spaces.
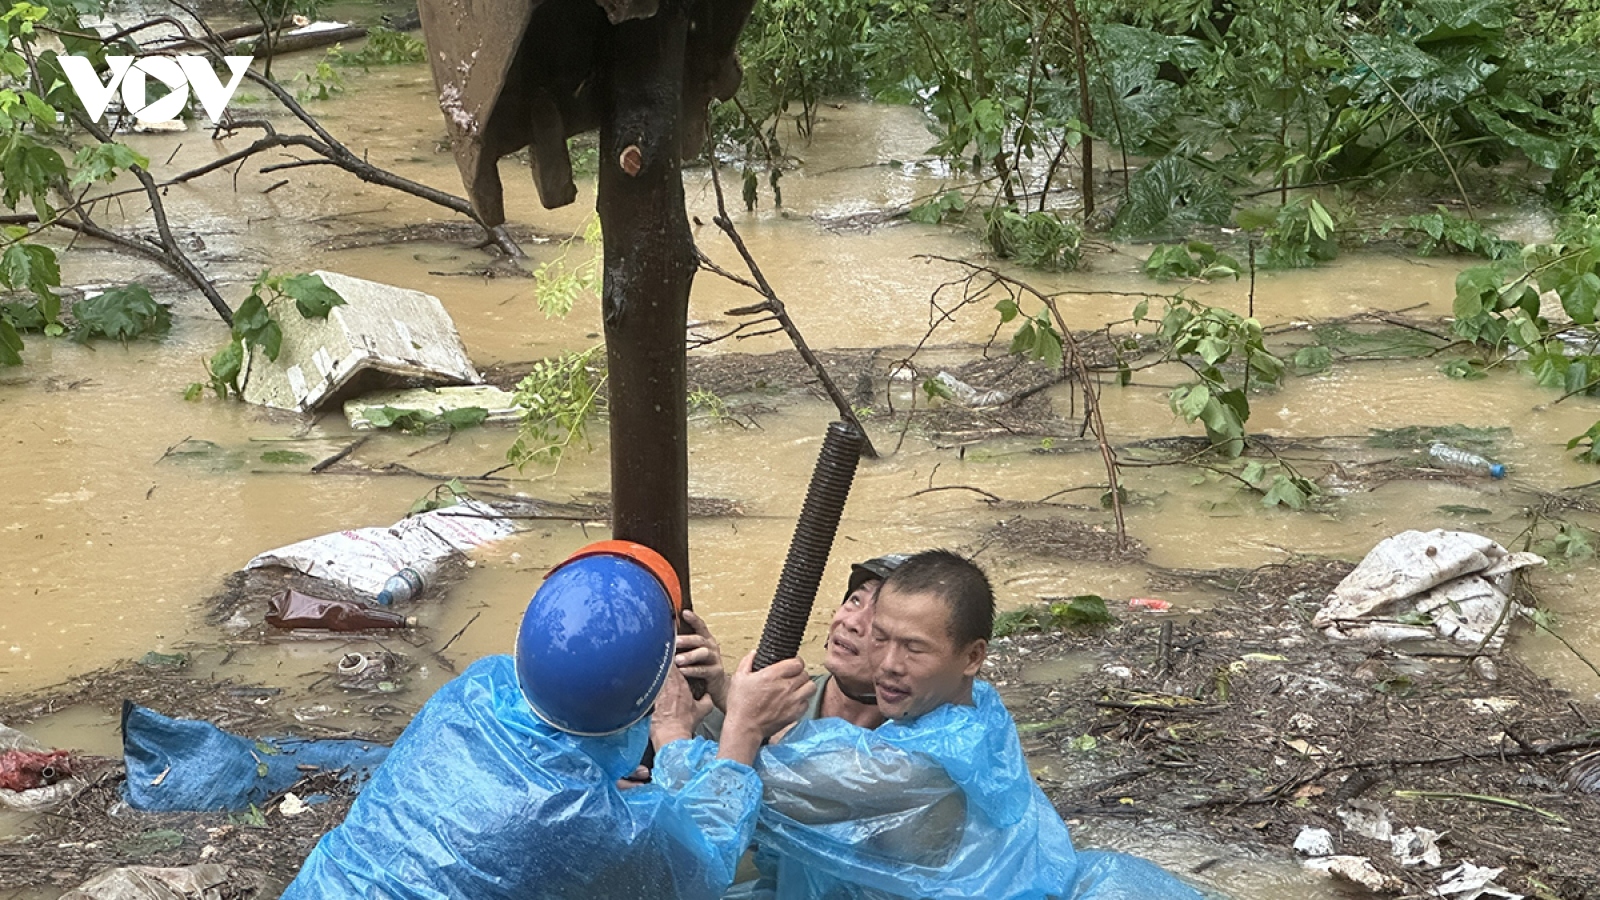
{"x":406,"y":584}
{"x":1456,"y":458}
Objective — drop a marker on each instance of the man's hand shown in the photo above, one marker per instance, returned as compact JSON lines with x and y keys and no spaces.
{"x":677,"y":712}
{"x":762,"y":703}
{"x":700,"y":656}
{"x":639,"y":775}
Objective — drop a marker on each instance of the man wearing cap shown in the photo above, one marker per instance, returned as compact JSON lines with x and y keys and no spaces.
{"x":844,"y":691}
{"x":938,"y":802}
{"x":504,"y":785}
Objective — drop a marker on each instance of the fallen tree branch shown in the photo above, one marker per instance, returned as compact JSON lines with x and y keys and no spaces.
{"x":1072,"y":357}
{"x":774,"y":306}
{"x":959,"y":487}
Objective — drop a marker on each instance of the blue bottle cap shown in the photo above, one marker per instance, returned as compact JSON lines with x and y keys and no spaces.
{"x":1497,"y":470}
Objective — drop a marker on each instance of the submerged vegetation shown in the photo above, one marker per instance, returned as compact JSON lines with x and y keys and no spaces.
{"x":1269,"y":131}
{"x":1222,"y":104}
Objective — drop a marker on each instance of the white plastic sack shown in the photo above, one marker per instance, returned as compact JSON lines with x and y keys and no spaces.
{"x":206,"y":881}
{"x":1418,"y":584}
{"x":364,"y":559}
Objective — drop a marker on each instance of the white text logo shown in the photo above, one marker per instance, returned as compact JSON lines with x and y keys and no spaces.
{"x":181,"y":74}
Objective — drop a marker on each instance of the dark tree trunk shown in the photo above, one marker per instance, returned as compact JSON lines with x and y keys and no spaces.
{"x":649,"y":266}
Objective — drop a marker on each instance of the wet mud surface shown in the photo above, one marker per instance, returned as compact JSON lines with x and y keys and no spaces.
{"x":1247,"y":723}
{"x":1241,"y":723}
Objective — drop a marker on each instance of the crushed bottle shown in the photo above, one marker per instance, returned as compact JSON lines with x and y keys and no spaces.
{"x":292,"y":609}
{"x":406,"y":584}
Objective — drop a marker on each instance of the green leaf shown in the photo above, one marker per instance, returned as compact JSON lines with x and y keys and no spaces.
{"x":1256,"y":217}
{"x":27,"y":168}
{"x":1524,"y":332}
{"x":1190,"y":401}
{"x":32,"y":267}
{"x":270,"y":339}
{"x":410,"y":421}
{"x":1047,"y":343}
{"x":1316,"y":358}
{"x":1141,"y":310}
{"x":1581,"y":297}
{"x":1082,"y":610}
{"x":1321,"y":222}
{"x":225,"y":366}
{"x":253,"y":323}
{"x":1008,"y":310}
{"x":311,"y":296}
{"x":1213,"y":350}
{"x":10,"y":344}
{"x":465,"y":417}
{"x":1285,"y":491}
{"x":193,"y":391}
{"x":1465,"y":369}
{"x":1253,"y":471}
{"x":102,"y":162}
{"x":251,"y":317}
{"x":121,"y":314}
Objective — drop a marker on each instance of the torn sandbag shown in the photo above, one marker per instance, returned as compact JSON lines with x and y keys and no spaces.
{"x":34,"y":778}
{"x":363,"y":559}
{"x":1417,"y":584}
{"x":205,"y":881}
{"x":177,"y":765}
{"x":382,"y":336}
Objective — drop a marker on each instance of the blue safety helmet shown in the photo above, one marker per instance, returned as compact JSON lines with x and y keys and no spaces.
{"x":597,"y":638}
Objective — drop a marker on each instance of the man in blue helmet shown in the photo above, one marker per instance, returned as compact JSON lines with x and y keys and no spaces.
{"x":938,"y":802}
{"x":504,"y":785}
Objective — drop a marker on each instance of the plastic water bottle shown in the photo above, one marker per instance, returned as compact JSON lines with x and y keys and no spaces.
{"x":403,"y":585}
{"x":1456,"y":458}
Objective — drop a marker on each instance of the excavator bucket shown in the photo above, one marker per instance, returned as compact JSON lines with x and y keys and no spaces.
{"x":523,"y":73}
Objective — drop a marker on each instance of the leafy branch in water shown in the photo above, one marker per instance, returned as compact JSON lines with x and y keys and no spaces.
{"x":1207,"y":339}
{"x":1038,"y":240}
{"x":1194,"y":259}
{"x":422,"y":421}
{"x":1082,"y":611}
{"x":1502,"y":308}
{"x":556,"y":401}
{"x":254,"y":326}
{"x":558,"y":283}
{"x":1298,"y":234}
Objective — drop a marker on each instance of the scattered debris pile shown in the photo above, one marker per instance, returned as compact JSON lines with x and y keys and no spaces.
{"x":1421,"y":775}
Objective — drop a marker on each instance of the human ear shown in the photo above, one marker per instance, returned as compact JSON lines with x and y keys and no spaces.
{"x":976,"y":653}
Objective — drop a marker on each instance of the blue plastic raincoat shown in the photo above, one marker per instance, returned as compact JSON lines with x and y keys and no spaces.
{"x":943,"y":807}
{"x":479,"y":799}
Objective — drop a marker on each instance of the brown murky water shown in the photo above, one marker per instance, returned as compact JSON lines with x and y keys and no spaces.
{"x":108,"y":543}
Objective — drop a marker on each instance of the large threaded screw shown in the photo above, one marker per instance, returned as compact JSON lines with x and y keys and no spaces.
{"x":811,"y":545}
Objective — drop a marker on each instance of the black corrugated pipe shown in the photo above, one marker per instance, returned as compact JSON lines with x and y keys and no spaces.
{"x":812,"y":542}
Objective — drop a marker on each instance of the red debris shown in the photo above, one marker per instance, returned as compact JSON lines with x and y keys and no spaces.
{"x":1151,"y":603}
{"x":24,"y":770}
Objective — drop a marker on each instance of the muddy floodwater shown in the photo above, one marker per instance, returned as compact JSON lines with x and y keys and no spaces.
{"x":114,"y":533}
